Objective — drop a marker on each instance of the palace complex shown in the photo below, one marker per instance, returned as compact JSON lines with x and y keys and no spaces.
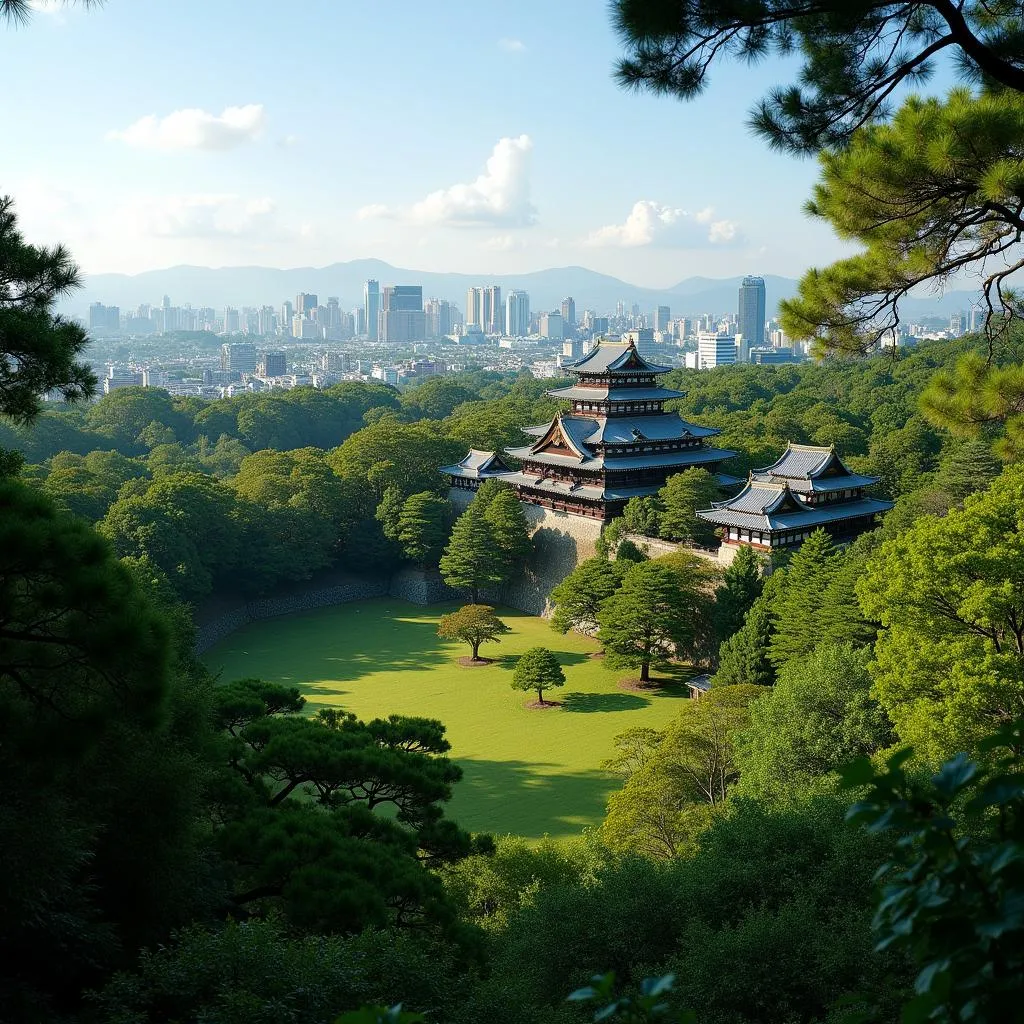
{"x":807,"y":489}
{"x":616,"y":443}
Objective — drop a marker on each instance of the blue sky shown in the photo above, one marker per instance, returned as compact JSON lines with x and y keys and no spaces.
{"x":451,"y":136}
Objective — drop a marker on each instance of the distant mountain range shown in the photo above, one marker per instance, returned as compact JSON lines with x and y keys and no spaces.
{"x":253,"y":286}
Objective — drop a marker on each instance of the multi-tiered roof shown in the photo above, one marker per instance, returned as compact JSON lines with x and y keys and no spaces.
{"x":617,"y":442}
{"x":806,"y":489}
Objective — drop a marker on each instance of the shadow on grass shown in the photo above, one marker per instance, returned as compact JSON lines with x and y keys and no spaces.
{"x":564,"y":658}
{"x":528,"y":799}
{"x":589,"y":702}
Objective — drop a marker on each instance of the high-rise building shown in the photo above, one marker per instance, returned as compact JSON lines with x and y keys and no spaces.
{"x":287,"y":312}
{"x":272,"y":364}
{"x":401,"y":317}
{"x":642,"y":339}
{"x":104,"y":318}
{"x":305,"y":303}
{"x":438,"y":313}
{"x":371,"y":303}
{"x":750,"y":316}
{"x":517,"y":314}
{"x":716,"y":350}
{"x":475,"y":307}
{"x":569,"y":316}
{"x":359,"y":319}
{"x":662,"y":315}
{"x":238,"y":357}
{"x":492,"y":313}
{"x":552,"y":326}
{"x":267,"y":321}
{"x":232,"y":324}
{"x":305,"y":328}
{"x":599,"y":326}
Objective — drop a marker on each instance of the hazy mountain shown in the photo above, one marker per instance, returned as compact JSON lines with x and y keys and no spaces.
{"x":253,"y":286}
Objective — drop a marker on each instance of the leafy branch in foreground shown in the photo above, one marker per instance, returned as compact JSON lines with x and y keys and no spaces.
{"x":649,"y":1005}
{"x":953,"y":896}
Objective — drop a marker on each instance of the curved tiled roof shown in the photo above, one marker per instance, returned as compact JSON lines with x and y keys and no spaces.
{"x":477,"y":465}
{"x":804,"y":466}
{"x":657,"y":427}
{"x":609,"y":357}
{"x":615,"y":394}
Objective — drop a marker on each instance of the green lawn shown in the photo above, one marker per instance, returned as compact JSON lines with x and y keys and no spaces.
{"x":526,"y":771}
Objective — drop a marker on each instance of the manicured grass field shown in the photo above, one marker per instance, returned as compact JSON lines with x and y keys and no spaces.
{"x":527,"y":772}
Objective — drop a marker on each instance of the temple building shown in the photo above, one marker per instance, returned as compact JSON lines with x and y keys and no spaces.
{"x":807,"y":489}
{"x":617,"y":442}
{"x":474,"y":469}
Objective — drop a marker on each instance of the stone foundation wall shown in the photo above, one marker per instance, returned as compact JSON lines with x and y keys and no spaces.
{"x":655,"y":547}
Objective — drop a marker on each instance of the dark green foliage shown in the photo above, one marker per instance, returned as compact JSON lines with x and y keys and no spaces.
{"x":504,"y":513}
{"x":743,"y":658}
{"x":817,"y":717}
{"x":40,"y":349}
{"x":742,"y":583}
{"x":103,"y":748}
{"x":578,"y":598}
{"x":537,"y":670}
{"x":627,"y":553}
{"x":643,"y":515}
{"x":423,"y":526}
{"x":953,"y":895}
{"x":648,"y":1005}
{"x":681,"y":496}
{"x":472,"y":559}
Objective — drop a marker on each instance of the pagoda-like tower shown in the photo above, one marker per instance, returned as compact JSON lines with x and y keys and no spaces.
{"x":616,"y":443}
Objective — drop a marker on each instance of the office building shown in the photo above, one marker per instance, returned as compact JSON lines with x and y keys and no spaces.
{"x":118,"y":377}
{"x":551,"y":325}
{"x":750,"y":315}
{"x":662,"y":316}
{"x":306,"y":329}
{"x":334,"y":362}
{"x":599,"y":326}
{"x":517,"y":314}
{"x":104,"y":318}
{"x":491,"y":318}
{"x":238,"y":357}
{"x":438,"y":313}
{"x":371,"y":304}
{"x":569,"y":316}
{"x":774,"y":356}
{"x":401,"y":317}
{"x":475,"y":307}
{"x":716,"y":350}
{"x":642,"y":339}
{"x":267,"y":321}
{"x":305,"y":303}
{"x":232,"y":324}
{"x":272,"y":364}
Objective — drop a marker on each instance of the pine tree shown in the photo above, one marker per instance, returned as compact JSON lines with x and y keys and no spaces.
{"x":472,"y":558}
{"x":799,"y":629}
{"x":741,"y":587}
{"x":537,"y":670}
{"x":389,"y":511}
{"x":743,"y":657}
{"x":578,"y":598}
{"x":423,"y":527}
{"x":681,"y":496}
{"x":511,"y":531}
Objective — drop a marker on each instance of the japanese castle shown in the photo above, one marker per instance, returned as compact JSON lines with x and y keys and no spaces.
{"x":807,"y":489}
{"x":616,"y":443}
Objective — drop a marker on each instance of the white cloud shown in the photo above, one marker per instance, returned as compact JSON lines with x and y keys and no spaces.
{"x":193,"y":128}
{"x":512,"y":45}
{"x":203,"y":216}
{"x":503,"y":243}
{"x":499,"y":196}
{"x":654,"y":224}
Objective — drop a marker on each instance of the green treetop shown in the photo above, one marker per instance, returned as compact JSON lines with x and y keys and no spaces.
{"x":579,"y":597}
{"x":423,"y":527}
{"x":742,"y":583}
{"x":681,"y":496}
{"x":473,"y":624}
{"x":536,"y":671}
{"x":504,"y":513}
{"x":472,"y":558}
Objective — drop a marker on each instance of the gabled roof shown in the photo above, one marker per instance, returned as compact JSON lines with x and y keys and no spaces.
{"x":655,"y":427}
{"x":771,"y":506}
{"x":812,"y":468}
{"x":477,"y":465}
{"x":611,"y":357}
{"x":565,"y":431}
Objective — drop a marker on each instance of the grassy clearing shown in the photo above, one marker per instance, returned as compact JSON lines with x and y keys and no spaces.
{"x":531,"y":772}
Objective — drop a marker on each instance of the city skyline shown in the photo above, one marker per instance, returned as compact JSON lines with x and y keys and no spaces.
{"x":227,"y":165}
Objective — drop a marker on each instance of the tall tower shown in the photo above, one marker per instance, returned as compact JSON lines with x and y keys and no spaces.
{"x":750,"y":317}
{"x":569,"y":316}
{"x":491,"y":312}
{"x":371,"y":303}
{"x":517,"y":314}
{"x":475,"y":307}
{"x":663,"y":314}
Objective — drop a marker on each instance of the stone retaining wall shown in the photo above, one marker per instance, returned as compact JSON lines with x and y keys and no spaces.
{"x":655,"y":547}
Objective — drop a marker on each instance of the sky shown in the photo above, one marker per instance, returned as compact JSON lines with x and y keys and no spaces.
{"x":451,"y":136}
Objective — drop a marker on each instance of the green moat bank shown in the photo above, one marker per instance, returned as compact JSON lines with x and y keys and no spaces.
{"x":527,"y":772}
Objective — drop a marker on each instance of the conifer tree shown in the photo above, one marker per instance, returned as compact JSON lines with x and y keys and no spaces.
{"x":578,"y":598}
{"x":472,"y":558}
{"x":389,"y":511}
{"x":681,"y":496}
{"x":741,"y":586}
{"x":423,"y":526}
{"x":504,"y":512}
{"x":743,"y":658}
{"x":799,"y":628}
{"x":537,"y":670}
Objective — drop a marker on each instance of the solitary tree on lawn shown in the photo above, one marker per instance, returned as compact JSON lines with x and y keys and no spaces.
{"x":472,"y":558}
{"x":473,"y":624}
{"x":538,"y":669}
{"x":655,"y":616}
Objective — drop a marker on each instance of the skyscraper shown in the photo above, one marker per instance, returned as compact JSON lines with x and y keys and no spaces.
{"x":750,"y":318}
{"x":662,"y":315}
{"x":438,"y":313}
{"x":517,"y":314}
{"x":402,"y":317}
{"x":715,"y":350}
{"x":491,"y":313}
{"x":569,"y":316}
{"x":475,"y":307}
{"x":305,"y":303}
{"x":371,"y":303}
